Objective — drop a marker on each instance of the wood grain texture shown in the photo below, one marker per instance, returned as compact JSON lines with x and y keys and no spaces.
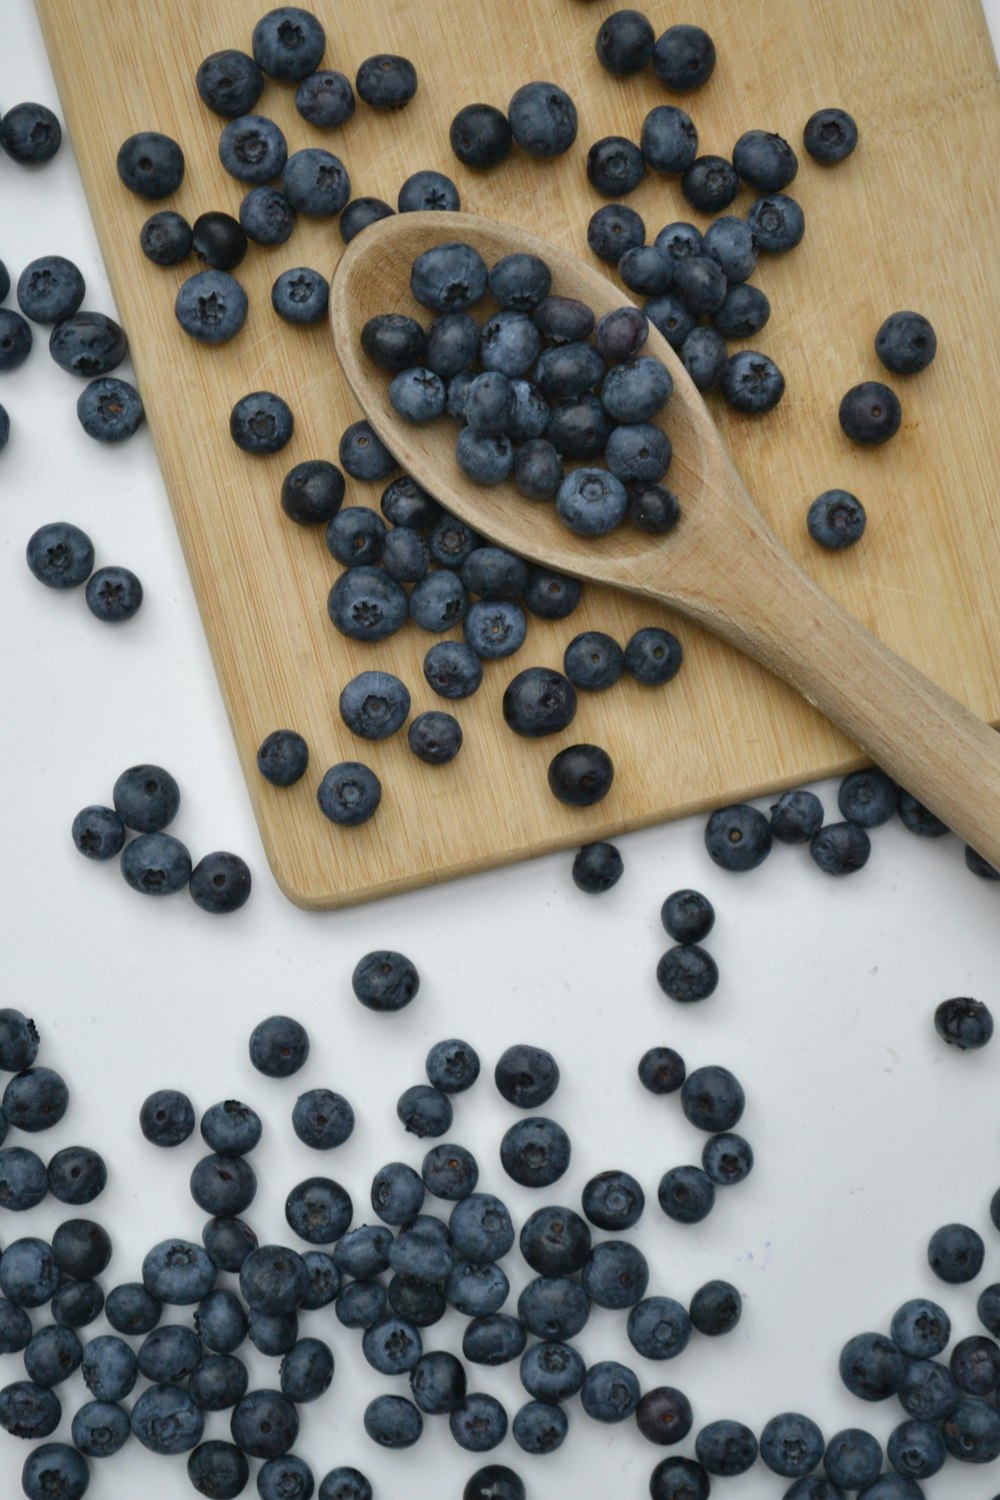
{"x":909,"y":221}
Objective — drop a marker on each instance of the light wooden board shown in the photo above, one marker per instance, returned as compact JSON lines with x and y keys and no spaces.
{"x":910,"y":221}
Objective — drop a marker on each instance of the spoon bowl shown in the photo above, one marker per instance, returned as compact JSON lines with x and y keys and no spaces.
{"x":721,"y":565}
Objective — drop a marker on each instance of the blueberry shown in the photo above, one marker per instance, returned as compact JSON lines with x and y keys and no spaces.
{"x":166,"y":1420}
{"x":156,"y":864}
{"x":555,"y":1241}
{"x":905,"y":343}
{"x":581,"y":775}
{"x":916,"y":1449}
{"x":424,"y":1110}
{"x":836,"y":519}
{"x":738,"y":837}
{"x":223,"y":1186}
{"x":315,"y":182}
{"x":99,"y":1428}
{"x":743,"y":312}
{"x":680,"y":1479}
{"x":355,"y":536}
{"x":686,"y":1194}
{"x":384,"y":980}
{"x":494,"y":628}
{"x":683,"y":57}
{"x":539,"y":1427}
{"x":177,"y":1271}
{"x":955,"y":1253}
{"x":653,"y":508}
{"x":325,"y":98}
{"x":664,"y":1415}
{"x":494,"y":1482}
{"x":615,"y":166}
{"x":229,"y":82}
{"x":421,"y":1250}
{"x":450,"y":1172}
{"x":428,"y":192}
{"x":261,"y":423}
{"x":436,"y":603}
{"x":287,"y":1478}
{"x":634,"y":392}
{"x":710,"y":184}
{"x":218,"y":240}
{"x":552,"y":1372}
{"x":971,"y":1431}
{"x":638,"y":453}
{"x":130,"y":1309}
{"x":76,"y":1304}
{"x":777,"y":222}
{"x":30,"y":134}
{"x":542,"y":119}
{"x":535,"y":1151}
{"x":344,"y":1483}
{"x":614,"y":229}
{"x":659,"y":1328}
{"x":452,"y":1066}
{"x":220,"y":1321}
{"x":81,"y":1248}
{"x":872,"y":1366}
{"x":28,"y":1410}
{"x":98,"y":832}
{"x":928,"y":1390}
{"x":266,"y":216}
{"x":591,"y":502}
{"x":752,"y":383}
{"x":539,"y":701}
{"x":494,"y":1339}
{"x":60,"y":555}
{"x":554,"y":1307}
{"x":76,"y":1174}
{"x":253,"y":149}
{"x":363,"y":454}
{"x":564,"y":320}
{"x":662,"y":1070}
{"x":169,"y":1353}
{"x":264,"y":1424}
{"x":374,"y":705}
{"x":35,"y":1099}
{"x":15,"y":339}
{"x":54,"y":1469}
{"x":579,"y":428}
{"x":405,"y":555}
{"x":730,"y":242}
{"x":712,"y":1098}
{"x":151,"y":164}
{"x":288,"y":43}
{"x":830,"y":135}
{"x":312,"y":492}
{"x":509,"y":342}
{"x":359,"y":213}
{"x":652,"y":655}
{"x":478,"y":1423}
{"x":113,"y":594}
{"x":49,"y":289}
{"x":301,"y":296}
{"x":218,"y":1469}
{"x":481,"y":1230}
{"x":53,"y":1353}
{"x":840,"y":848}
{"x":211,"y":306}
{"x":452,"y":669}
{"x":367,"y":604}
{"x":963,"y":1022}
{"x":486,"y":459}
{"x":480,"y":136}
{"x":727,"y":1159}
{"x":278,"y":1046}
{"x":15,"y":1328}
{"x":437,"y":1382}
{"x":360,"y":1303}
{"x":616,"y":1274}
{"x":975,"y":1365}
{"x":687,"y":973}
{"x":386,"y":81}
{"x":610,"y":1391}
{"x":765,"y":161}
{"x":109,"y":409}
{"x":791,"y":1444}
{"x":868,"y":797}
{"x":700,"y":283}
{"x":597,"y":867}
{"x":322,"y":1119}
{"x":28,"y":1272}
{"x":726,"y":1447}
{"x":228,"y":1242}
{"x":283,"y":757}
{"x":920,"y":1328}
{"x":538,"y":470}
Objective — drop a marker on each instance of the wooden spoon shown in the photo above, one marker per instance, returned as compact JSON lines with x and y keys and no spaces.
{"x":721,"y":566}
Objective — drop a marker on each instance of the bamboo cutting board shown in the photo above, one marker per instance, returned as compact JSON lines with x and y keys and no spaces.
{"x":909,"y":221}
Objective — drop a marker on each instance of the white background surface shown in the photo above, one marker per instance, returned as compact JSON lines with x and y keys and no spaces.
{"x":868,"y":1132}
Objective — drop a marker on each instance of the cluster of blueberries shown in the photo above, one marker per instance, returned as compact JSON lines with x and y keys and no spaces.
{"x":432,"y":1264}
{"x":532,"y":390}
{"x":62,"y":556}
{"x":50,"y":291}
{"x":145,"y":799}
{"x":741,"y":836}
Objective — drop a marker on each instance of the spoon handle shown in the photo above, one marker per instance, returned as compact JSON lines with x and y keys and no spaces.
{"x":933,"y":745}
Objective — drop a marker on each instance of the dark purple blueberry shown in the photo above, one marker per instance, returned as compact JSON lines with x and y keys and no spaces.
{"x":653,"y":508}
{"x":777,"y":222}
{"x":539,"y":701}
{"x":385,"y":980}
{"x":919,"y":819}
{"x":481,"y":136}
{"x":278,"y":1046}
{"x":615,"y":166}
{"x":564,"y":320}
{"x":716,"y":1306}
{"x":669,"y":316}
{"x":726,"y":1447}
{"x":669,"y":139}
{"x":743,"y":313}
{"x":700,"y":283}
{"x":796,"y":816}
{"x":664,"y":1415}
{"x":683,"y":57}
{"x":710,"y":184}
{"x":580,"y":775}
{"x":550,"y":595}
{"x":870,"y":413}
{"x":905,"y":343}
{"x":494,"y":1482}
{"x":218,"y":240}
{"x":680,"y":1479}
{"x":963,"y":1022}
{"x":653,"y":655}
{"x":593,"y":661}
{"x":765,"y":161}
{"x":283,"y":757}
{"x":76,"y":1175}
